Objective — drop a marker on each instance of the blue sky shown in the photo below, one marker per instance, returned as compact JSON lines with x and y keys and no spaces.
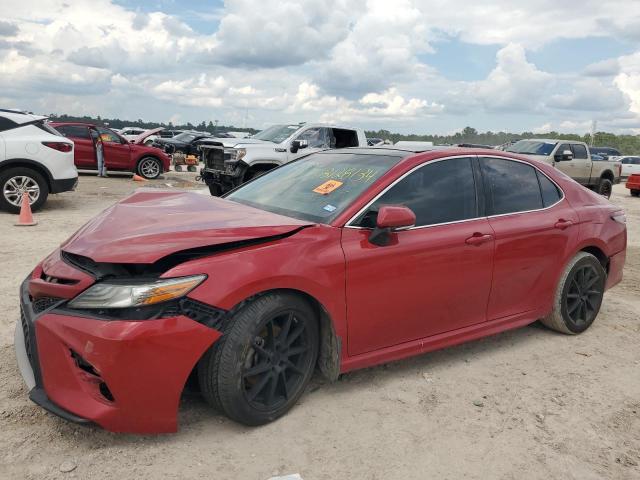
{"x":419,"y":66}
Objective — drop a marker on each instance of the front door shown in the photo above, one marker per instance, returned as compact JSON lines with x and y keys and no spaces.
{"x":534,"y":227}
{"x":433,"y":278}
{"x":117,"y":154}
{"x":578,"y":168}
{"x":317,"y":138}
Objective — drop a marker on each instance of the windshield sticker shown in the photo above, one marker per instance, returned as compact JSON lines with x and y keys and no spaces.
{"x":356,"y":174}
{"x":327,"y":187}
{"x":330,"y":208}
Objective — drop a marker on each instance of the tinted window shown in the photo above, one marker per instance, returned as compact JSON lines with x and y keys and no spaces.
{"x":439,"y":192}
{"x":6,"y":124}
{"x":511,"y":186}
{"x":75,"y":131}
{"x":579,"y":151}
{"x":562,"y":148}
{"x":550,"y":193}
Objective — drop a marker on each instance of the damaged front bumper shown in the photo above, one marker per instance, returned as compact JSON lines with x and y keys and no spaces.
{"x":124,"y":375}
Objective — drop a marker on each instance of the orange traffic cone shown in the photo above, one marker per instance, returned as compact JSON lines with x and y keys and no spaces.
{"x":138,"y":178}
{"x":26,"y":217}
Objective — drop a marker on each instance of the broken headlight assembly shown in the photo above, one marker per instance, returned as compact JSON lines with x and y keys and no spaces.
{"x":115,"y":294}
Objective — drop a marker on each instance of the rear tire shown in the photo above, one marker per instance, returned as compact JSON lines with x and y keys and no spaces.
{"x":605,"y":187}
{"x":635,"y":193}
{"x":260,"y":367}
{"x":578,"y":295}
{"x":14,"y":180}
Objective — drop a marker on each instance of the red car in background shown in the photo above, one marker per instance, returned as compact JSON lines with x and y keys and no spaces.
{"x":120,"y":154}
{"x":342,"y":260}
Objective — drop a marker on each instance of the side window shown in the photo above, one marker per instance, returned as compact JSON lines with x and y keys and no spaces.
{"x":108,"y":136}
{"x":439,"y":192}
{"x":511,"y":186}
{"x":550,"y":193}
{"x":74,"y":131}
{"x":315,"y":137}
{"x":579,"y":151}
{"x":342,"y":138}
{"x":6,"y":124}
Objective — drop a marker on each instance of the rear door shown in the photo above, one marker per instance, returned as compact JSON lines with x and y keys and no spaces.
{"x":117,"y":152}
{"x":431,"y":278}
{"x":535,"y":229}
{"x":84,"y":152}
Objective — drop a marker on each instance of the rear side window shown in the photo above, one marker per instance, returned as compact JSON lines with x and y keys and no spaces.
{"x":550,"y":193}
{"x":6,"y":124}
{"x":439,"y":192}
{"x":74,"y":131}
{"x":342,"y":138}
{"x":511,"y":186}
{"x":579,"y":151}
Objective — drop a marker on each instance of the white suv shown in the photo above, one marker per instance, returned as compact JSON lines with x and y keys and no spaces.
{"x":34,"y":158}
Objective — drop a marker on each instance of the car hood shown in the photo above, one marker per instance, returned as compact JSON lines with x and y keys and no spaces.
{"x":146,"y":134}
{"x":241,"y":142}
{"x":540,"y":158}
{"x":151,"y":224}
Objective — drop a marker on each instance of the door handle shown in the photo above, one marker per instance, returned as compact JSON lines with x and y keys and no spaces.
{"x":478,"y":239}
{"x":562,"y":224}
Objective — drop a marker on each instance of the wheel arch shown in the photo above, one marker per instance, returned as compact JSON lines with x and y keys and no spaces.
{"x":26,"y":163}
{"x":599,"y":254}
{"x":330,"y":347}
{"x":608,"y":175}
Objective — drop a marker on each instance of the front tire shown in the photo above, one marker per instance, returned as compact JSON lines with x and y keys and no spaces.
{"x":15,"y":181}
{"x":149,"y":168}
{"x":578,"y":296}
{"x":635,"y":193}
{"x":605,"y":187}
{"x":260,"y":367}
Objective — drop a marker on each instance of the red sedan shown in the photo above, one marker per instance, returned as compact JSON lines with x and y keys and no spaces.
{"x":343,"y":260}
{"x":119,"y":153}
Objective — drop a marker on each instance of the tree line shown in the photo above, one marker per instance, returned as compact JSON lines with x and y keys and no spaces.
{"x":627,"y":144}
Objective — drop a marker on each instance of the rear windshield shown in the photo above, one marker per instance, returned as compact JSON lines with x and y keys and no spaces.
{"x":530,"y":147}
{"x":317,"y":188}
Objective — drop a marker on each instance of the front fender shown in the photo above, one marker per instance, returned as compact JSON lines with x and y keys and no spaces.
{"x":310,"y":261}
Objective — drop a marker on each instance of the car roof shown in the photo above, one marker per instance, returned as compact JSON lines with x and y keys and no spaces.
{"x":19,"y":116}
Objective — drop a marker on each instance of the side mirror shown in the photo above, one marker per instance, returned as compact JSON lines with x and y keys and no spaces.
{"x":298,"y":144}
{"x":391,"y":219}
{"x":565,"y":156}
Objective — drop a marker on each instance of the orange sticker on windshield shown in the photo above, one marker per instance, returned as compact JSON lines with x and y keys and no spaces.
{"x":327,"y":187}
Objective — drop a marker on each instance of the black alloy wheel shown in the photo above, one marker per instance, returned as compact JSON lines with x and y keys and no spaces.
{"x":265,"y":358}
{"x":277,"y":362}
{"x":584,"y":296}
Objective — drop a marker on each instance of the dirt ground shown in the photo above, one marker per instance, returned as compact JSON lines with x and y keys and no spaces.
{"x":525,"y":404}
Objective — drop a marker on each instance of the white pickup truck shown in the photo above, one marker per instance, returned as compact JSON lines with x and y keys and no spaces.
{"x":574,"y":159}
{"x":229,"y":162}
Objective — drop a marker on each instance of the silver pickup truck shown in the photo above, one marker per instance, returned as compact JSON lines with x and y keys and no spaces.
{"x":573,"y":159}
{"x":229,"y":162}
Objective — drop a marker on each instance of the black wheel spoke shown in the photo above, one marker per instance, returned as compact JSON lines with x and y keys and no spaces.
{"x":258,"y":387}
{"x":297,"y":350}
{"x":295,"y":334}
{"x":271,"y":391}
{"x":283,"y":380}
{"x":293,"y":368}
{"x":257,"y":369}
{"x":572,"y":308}
{"x":573,"y":295}
{"x":261,"y":350}
{"x":286,"y":328}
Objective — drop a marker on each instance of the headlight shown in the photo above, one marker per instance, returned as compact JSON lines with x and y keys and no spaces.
{"x":124,"y":295}
{"x":240,"y":153}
